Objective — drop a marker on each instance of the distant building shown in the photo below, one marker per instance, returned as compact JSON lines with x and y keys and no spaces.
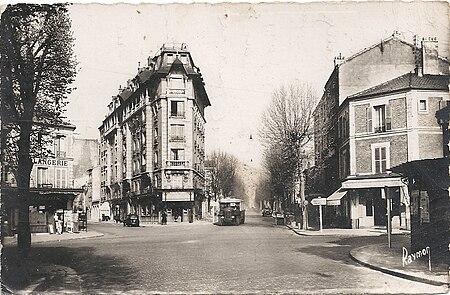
{"x":87,"y":175}
{"x":377,"y":112}
{"x":152,"y":145}
{"x":51,"y":185}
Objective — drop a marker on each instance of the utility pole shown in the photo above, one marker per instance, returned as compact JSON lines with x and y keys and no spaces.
{"x":389,"y":223}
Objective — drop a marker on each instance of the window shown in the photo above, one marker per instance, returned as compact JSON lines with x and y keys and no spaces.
{"x":170,"y":58}
{"x":176,"y":83}
{"x":423,"y":106}
{"x":177,"y":108}
{"x":177,"y":132}
{"x":344,"y":163}
{"x":61,"y":178}
{"x":42,"y":176}
{"x":380,"y":158}
{"x":177,"y":154}
{"x":59,"y":146}
{"x":382,"y":122}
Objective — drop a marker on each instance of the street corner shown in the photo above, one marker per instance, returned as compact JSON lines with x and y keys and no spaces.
{"x":381,"y":258}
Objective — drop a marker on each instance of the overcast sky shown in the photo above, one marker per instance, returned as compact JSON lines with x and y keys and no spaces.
{"x":244,"y":51}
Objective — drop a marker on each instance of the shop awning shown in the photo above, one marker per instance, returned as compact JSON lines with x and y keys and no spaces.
{"x":335,"y":198}
{"x":379,"y":182}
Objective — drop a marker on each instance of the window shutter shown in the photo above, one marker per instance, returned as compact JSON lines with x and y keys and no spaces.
{"x":388,"y":117}
{"x":368,"y":120}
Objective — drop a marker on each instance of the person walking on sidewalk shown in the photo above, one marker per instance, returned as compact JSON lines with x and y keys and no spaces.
{"x":164,"y":217}
{"x":58,"y":223}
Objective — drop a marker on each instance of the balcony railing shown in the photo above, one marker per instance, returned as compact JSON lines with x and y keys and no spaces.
{"x":180,"y":115}
{"x":177,"y":91}
{"x":177,"y":138}
{"x":177,"y":163}
{"x":60,"y":154}
{"x":383,"y":128}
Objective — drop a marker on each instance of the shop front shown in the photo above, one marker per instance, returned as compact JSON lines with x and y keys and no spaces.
{"x":44,"y":206}
{"x":361,"y":202}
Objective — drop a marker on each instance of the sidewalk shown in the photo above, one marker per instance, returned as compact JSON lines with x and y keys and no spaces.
{"x":344,"y":232}
{"x":44,"y":278}
{"x":45,"y":237}
{"x":388,"y":260}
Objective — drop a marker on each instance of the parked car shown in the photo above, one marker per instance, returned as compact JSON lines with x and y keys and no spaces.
{"x":131,"y":220}
{"x":267,"y":212}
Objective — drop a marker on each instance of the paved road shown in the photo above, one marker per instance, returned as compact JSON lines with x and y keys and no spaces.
{"x":257,"y":257}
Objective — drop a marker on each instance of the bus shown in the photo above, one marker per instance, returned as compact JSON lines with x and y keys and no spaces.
{"x":231,"y":211}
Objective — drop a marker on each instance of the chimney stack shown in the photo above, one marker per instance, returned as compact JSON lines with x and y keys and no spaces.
{"x":430,"y":61}
{"x":338,"y":60}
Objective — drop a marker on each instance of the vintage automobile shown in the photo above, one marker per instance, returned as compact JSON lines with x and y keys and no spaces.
{"x":131,"y":220}
{"x":231,"y":211}
{"x":266,"y":212}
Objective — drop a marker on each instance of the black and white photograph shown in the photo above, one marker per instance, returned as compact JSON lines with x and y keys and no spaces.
{"x":225,"y":147}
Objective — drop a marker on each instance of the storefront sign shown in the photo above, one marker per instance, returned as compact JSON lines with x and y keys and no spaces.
{"x":51,"y":162}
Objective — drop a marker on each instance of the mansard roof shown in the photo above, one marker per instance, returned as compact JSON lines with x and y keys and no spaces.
{"x":407,"y":81}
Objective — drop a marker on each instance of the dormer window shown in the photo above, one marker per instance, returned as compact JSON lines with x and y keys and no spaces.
{"x":184,"y":58}
{"x":176,"y":82}
{"x":169,"y":58}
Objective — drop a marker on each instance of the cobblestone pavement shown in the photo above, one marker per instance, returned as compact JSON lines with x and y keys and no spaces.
{"x":255,"y":258}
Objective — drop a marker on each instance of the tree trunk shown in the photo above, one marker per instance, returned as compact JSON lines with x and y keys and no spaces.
{"x":303,"y":206}
{"x":24,"y":168}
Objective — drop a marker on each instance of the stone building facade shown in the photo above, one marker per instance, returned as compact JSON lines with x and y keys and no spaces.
{"x":52,"y":187}
{"x":152,"y":145}
{"x":377,"y":112}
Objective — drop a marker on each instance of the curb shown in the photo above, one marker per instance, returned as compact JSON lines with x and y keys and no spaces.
{"x":14,"y":240}
{"x":396,"y":273}
{"x":69,"y":239}
{"x":298,"y":233}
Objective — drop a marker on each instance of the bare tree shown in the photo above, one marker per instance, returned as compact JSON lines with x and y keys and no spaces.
{"x":286,"y":130}
{"x":37,"y":65}
{"x":263,"y":191}
{"x":224,"y":179}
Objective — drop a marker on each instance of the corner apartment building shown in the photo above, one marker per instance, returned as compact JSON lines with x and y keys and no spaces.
{"x":377,"y":112}
{"x":152,"y":147}
{"x":52,"y":187}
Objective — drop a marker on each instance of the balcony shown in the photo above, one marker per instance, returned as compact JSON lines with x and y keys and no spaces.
{"x":179,"y":115}
{"x":177,"y":163}
{"x":60,"y":154}
{"x":383,"y":128}
{"x":179,"y":138}
{"x":177,"y":91}
{"x":45,"y":185}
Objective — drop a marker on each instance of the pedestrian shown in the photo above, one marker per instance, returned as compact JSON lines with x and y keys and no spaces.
{"x":164,"y":217}
{"x":58,"y":223}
